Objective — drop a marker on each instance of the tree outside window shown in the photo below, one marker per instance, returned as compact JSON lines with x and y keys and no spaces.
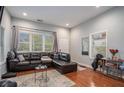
{"x":35,"y":41}
{"x":23,"y":41}
{"x":48,"y":43}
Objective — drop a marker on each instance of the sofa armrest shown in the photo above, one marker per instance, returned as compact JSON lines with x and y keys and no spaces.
{"x":14,"y":61}
{"x":12,"y":64}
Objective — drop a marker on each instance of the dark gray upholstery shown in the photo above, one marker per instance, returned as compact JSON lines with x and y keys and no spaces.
{"x":35,"y":56}
{"x":35,"y":61}
{"x":32,"y":59}
{"x":23,"y":63}
{"x":8,"y":75}
{"x":64,"y":57}
{"x":8,"y":83}
{"x":63,"y":64}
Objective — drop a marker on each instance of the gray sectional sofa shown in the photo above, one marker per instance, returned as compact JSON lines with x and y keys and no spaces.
{"x":32,"y":59}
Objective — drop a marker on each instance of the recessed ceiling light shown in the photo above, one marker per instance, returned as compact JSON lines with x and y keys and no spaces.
{"x":24,"y":14}
{"x":97,"y":6}
{"x":67,"y":24}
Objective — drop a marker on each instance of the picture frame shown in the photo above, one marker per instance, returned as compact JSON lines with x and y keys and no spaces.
{"x":85,"y":45}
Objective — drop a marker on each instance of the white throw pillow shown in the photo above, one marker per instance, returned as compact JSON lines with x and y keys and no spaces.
{"x":21,"y":58}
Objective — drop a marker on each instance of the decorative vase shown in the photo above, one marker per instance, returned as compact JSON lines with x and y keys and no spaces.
{"x":114,"y":58}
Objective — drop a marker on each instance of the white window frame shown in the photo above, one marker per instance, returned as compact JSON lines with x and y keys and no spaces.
{"x":24,"y":42}
{"x":31,"y":41}
{"x":90,"y":43}
{"x":44,"y":34}
{"x":52,"y":41}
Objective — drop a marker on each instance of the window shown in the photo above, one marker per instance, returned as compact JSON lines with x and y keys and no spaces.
{"x":23,"y":44}
{"x":48,"y":43}
{"x":98,"y":44}
{"x":35,"y":41}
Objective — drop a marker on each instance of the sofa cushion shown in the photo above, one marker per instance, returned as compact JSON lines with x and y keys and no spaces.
{"x":56,"y":56}
{"x":23,"y":63}
{"x":26,"y":56}
{"x":35,"y":56}
{"x":46,"y":59}
{"x":21,"y":58}
{"x":35,"y":61}
{"x":11,"y":55}
{"x":63,"y":63}
{"x":14,"y":50}
{"x":44,"y":54}
{"x":64,"y":57}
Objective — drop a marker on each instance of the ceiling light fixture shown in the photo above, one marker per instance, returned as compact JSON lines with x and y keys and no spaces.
{"x":67,"y":24}
{"x":24,"y":14}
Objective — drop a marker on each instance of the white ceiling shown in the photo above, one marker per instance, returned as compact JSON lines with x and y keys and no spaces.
{"x":57,"y":15}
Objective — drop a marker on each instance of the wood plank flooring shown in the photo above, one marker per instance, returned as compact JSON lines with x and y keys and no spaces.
{"x":90,"y":78}
{"x":87,"y":78}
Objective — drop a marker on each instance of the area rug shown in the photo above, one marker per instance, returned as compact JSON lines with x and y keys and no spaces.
{"x":55,"y":79}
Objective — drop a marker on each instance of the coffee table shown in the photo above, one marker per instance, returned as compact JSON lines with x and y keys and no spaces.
{"x":43,"y":77}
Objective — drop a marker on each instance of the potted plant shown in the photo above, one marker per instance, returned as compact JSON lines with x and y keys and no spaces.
{"x":113,"y":52}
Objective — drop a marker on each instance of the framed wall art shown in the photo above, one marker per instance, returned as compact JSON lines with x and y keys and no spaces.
{"x":85,"y":46}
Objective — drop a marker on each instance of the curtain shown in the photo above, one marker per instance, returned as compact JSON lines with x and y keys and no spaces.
{"x":55,"y":46}
{"x":14,"y":43}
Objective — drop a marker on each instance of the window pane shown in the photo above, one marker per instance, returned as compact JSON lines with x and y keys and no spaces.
{"x":23,"y":44}
{"x":37,"y":47}
{"x":48,"y":47}
{"x":98,"y":44}
{"x":24,"y":37}
{"x":23,"y":47}
{"x":48,"y":43}
{"x":37,"y":42}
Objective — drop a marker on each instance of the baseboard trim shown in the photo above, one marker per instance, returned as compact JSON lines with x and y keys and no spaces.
{"x":83,"y":65}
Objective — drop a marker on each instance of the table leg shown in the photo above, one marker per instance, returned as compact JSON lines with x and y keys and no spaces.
{"x":121,"y":74}
{"x":46,"y":75}
{"x":35,"y":76}
{"x":42,"y":75}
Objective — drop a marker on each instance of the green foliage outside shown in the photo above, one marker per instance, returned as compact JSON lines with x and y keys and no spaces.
{"x":23,"y":47}
{"x":37,"y":43}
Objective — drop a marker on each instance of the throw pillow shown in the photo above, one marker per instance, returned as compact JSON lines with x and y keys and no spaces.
{"x":21,"y":58}
{"x":56,"y":56}
{"x":15,"y":52}
{"x":11,"y":55}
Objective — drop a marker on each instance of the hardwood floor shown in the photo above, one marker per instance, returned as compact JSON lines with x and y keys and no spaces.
{"x":90,"y":78}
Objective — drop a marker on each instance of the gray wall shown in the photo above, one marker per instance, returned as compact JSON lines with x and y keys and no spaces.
{"x":63,"y":34}
{"x":111,"y":21}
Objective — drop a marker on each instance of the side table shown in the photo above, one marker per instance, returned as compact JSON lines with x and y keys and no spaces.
{"x":112,"y":67}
